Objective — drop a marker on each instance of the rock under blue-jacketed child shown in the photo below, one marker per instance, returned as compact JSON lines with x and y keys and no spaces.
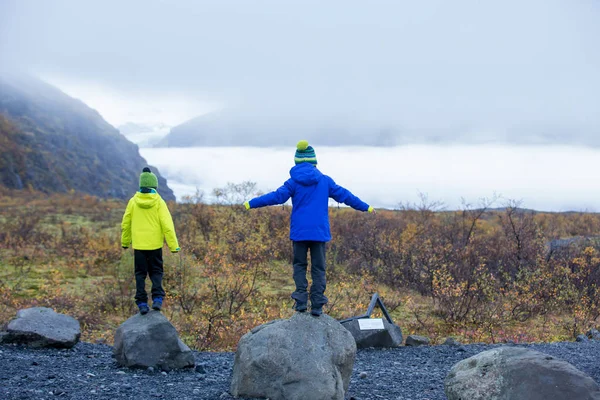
{"x":310,"y":191}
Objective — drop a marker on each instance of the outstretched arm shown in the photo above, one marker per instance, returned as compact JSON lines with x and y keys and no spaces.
{"x":342,"y":195}
{"x":279,"y":196}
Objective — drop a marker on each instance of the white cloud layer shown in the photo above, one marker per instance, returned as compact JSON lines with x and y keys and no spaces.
{"x":552,"y":178}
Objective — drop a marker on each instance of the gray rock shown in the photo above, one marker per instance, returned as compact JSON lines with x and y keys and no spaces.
{"x":390,"y":336}
{"x":151,"y":341}
{"x":581,"y":338}
{"x":416,"y":340}
{"x":593,"y":334}
{"x":42,"y":327}
{"x":451,"y":342}
{"x":517,"y":373}
{"x":200,"y":369}
{"x":300,"y":358}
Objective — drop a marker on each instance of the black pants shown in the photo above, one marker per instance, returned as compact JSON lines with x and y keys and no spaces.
{"x":317,"y":272}
{"x":148,"y":263}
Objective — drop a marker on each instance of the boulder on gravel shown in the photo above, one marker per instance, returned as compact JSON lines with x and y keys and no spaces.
{"x":581,"y":338}
{"x":42,"y":327}
{"x":517,"y":373}
{"x":450,"y":341}
{"x":593,"y":334}
{"x":389,"y":336}
{"x":416,"y":340}
{"x":300,"y":358}
{"x":151,"y":341}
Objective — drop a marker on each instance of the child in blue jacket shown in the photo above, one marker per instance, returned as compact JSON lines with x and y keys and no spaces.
{"x":310,"y":191}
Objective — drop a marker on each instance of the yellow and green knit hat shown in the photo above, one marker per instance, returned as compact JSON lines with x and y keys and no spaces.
{"x":148,"y":179}
{"x":305,"y":153}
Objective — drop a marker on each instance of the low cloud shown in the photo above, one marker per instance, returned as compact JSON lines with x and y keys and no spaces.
{"x":552,"y":178}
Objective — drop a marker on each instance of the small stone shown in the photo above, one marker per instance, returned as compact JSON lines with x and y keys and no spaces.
{"x":196,"y":391}
{"x":593,"y":334}
{"x":150,"y":369}
{"x":120,"y":372}
{"x":90,"y":356}
{"x":581,"y":338}
{"x":224,"y":395}
{"x":362,"y":375}
{"x":451,"y":342}
{"x":89,"y":374}
{"x":164,"y":373}
{"x":461,"y":349}
{"x":416,"y":340}
{"x":93,"y":391}
{"x":200,"y":369}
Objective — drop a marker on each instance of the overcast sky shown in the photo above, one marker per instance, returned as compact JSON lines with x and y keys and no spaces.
{"x":458,"y":69}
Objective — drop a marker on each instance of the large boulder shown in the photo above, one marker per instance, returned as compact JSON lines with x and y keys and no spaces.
{"x":42,"y":327}
{"x":516,"y":373}
{"x":389,"y":336}
{"x":301,"y":358}
{"x":151,"y":341}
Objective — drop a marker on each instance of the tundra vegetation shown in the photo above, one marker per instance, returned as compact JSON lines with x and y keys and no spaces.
{"x":479,"y":274}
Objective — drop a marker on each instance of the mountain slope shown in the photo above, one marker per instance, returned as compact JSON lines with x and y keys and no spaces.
{"x":54,"y":143}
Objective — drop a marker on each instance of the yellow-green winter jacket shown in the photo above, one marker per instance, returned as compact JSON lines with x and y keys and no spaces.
{"x":147,"y":223}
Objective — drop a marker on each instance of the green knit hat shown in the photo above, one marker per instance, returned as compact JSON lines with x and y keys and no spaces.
{"x":148,"y":179}
{"x":305,"y":153}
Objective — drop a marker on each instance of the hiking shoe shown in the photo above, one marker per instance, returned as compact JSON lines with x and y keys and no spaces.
{"x":157,"y":304}
{"x":300,"y":307}
{"x":143,"y":308}
{"x":316,"y":311}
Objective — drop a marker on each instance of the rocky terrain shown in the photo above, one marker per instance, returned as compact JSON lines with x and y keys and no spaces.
{"x":88,"y":371}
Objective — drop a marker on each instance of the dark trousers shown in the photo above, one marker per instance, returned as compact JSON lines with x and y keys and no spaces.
{"x":148,"y":263}
{"x":317,"y":272}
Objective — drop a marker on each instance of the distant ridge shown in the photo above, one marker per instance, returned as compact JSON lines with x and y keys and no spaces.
{"x":54,"y":143}
{"x":236,"y":128}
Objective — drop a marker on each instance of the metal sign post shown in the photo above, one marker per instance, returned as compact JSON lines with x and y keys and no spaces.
{"x":375,"y":301}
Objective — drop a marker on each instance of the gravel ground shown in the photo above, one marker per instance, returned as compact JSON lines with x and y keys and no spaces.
{"x":88,"y":371}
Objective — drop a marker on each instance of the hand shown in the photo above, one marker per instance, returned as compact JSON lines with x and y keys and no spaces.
{"x":177,"y":250}
{"x":247,"y":205}
{"x":372,"y":210}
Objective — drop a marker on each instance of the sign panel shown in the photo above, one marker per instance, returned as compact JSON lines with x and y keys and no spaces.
{"x":370,"y":323}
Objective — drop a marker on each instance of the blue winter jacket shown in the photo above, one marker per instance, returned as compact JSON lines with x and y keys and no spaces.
{"x":310,"y":191}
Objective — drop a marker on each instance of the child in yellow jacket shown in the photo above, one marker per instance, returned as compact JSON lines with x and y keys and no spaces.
{"x":146,"y":224}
